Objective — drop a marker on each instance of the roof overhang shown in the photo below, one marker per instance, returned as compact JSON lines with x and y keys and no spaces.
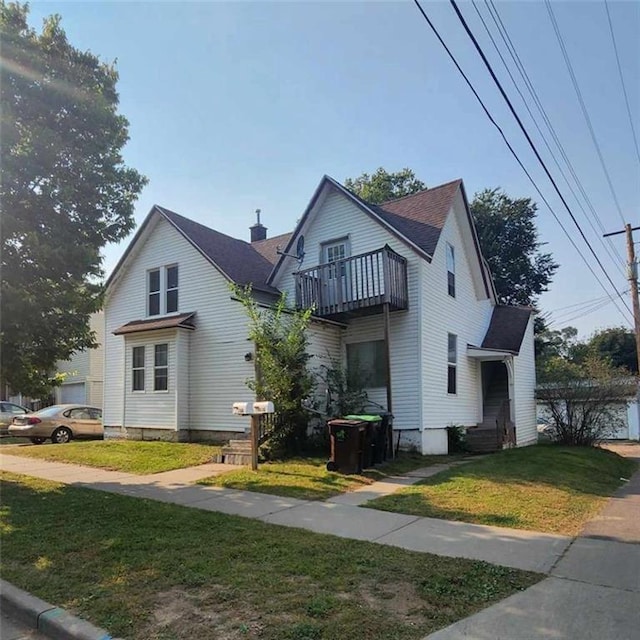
{"x":488,"y":354}
{"x":181,"y":321}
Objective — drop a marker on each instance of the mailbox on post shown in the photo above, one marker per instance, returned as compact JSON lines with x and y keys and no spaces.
{"x":255,"y":410}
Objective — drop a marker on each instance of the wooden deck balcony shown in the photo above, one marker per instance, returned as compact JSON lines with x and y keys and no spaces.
{"x":359,"y":285}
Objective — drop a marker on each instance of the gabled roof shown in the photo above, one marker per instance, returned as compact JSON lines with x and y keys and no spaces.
{"x":269,"y":248}
{"x":506,"y":329}
{"x":238,"y":260}
{"x":421,"y":216}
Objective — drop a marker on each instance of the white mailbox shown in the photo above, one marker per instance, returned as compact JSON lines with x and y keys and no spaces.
{"x":242,"y":408}
{"x":263,"y":407}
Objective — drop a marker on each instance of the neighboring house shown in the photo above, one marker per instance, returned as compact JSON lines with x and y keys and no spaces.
{"x":625,"y":413}
{"x":83,"y":375}
{"x":83,"y":382}
{"x":400,"y":291}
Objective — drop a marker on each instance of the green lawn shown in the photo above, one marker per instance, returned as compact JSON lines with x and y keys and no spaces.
{"x":541,"y":488}
{"x":308,"y":478}
{"x":147,"y":570}
{"x":123,"y":455}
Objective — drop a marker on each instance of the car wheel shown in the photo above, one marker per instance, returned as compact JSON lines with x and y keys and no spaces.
{"x":37,"y":440}
{"x":61,"y":435}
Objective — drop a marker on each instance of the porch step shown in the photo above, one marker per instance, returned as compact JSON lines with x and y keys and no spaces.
{"x":482,"y":440}
{"x":236,"y":452}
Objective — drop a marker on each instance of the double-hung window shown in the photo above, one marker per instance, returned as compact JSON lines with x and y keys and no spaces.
{"x":452,"y":360}
{"x":137,"y":369}
{"x":162,"y":290}
{"x":451,"y":271}
{"x":161,"y":367}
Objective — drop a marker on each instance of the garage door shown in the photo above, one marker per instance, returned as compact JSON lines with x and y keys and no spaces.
{"x":72,"y":393}
{"x":622,"y":431}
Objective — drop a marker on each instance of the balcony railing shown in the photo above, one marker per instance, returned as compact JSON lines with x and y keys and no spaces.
{"x":361,"y":284}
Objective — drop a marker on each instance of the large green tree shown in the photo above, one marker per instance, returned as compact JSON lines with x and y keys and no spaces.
{"x":509,"y":240}
{"x":65,"y":194}
{"x":616,"y":345}
{"x":382,"y":186}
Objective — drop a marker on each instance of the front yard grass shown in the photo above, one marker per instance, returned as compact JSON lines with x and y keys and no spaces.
{"x":147,"y":570}
{"x":308,"y":478}
{"x":542,"y":488}
{"x":123,"y":455}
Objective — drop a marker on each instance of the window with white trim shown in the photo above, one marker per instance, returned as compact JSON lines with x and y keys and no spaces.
{"x":452,"y":362}
{"x":451,"y":271}
{"x":162,"y":290}
{"x":335,"y":251}
{"x":161,"y":367}
{"x":137,"y":369}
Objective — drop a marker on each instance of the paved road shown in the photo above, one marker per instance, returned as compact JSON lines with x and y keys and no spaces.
{"x":12,"y":629}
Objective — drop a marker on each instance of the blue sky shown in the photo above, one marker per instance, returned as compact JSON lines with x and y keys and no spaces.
{"x":236,"y":106}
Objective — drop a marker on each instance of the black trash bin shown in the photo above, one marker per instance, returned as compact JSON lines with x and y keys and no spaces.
{"x":348,"y":443}
{"x":374,"y":438}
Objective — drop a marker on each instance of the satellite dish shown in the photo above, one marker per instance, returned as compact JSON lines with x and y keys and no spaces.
{"x":300,"y":249}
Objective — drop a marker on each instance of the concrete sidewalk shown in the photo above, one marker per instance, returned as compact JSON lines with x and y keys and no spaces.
{"x":528,"y":550}
{"x":593,"y":592}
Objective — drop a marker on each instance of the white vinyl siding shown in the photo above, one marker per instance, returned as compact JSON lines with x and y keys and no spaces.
{"x":337,"y":217}
{"x":467,"y":316}
{"x":85,"y":367}
{"x":149,"y":409}
{"x":216,"y":373}
{"x":524,"y":385}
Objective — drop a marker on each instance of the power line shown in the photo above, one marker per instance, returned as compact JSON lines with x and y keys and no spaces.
{"x":624,"y":88}
{"x":515,"y":155}
{"x":609,"y":246}
{"x":583,"y":106}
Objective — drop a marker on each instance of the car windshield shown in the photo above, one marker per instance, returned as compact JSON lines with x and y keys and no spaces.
{"x":49,"y":411}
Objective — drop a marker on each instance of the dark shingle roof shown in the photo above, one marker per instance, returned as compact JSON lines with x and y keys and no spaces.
{"x":268,"y":248}
{"x":183,"y":320}
{"x":420,"y":216}
{"x":507,"y":328}
{"x":236,"y":258}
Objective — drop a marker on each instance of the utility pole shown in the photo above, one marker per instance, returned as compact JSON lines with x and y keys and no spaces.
{"x":632,"y":276}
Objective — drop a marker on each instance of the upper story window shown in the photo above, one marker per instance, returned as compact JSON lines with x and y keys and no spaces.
{"x":162,"y":287}
{"x":333,"y":252}
{"x":451,"y":271}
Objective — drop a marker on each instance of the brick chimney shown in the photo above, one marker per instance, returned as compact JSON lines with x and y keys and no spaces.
{"x":258,"y":231}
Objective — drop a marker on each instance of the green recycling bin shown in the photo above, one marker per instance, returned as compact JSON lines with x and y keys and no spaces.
{"x":373,"y":450}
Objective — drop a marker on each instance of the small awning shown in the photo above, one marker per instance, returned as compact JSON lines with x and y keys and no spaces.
{"x":482,"y":353}
{"x":181,"y":321}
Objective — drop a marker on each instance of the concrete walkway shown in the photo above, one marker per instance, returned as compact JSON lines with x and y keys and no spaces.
{"x":515,"y":548}
{"x":593,"y":592}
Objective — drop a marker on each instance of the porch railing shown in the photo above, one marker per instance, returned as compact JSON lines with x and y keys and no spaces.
{"x":363,"y":282}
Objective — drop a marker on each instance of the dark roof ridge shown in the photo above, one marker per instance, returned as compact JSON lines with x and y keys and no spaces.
{"x":417,"y":193}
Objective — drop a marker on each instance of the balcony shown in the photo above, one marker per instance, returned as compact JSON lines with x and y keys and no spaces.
{"x":360,"y":285}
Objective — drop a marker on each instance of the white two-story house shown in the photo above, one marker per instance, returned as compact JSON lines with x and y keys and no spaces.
{"x":400,"y":291}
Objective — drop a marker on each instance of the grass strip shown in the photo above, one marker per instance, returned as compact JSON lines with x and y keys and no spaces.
{"x":130,"y":456}
{"x":545,"y":488}
{"x":150,"y":570}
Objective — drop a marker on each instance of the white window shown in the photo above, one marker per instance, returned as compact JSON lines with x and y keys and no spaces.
{"x":451,"y":271}
{"x":161,"y":367}
{"x":138,"y":368}
{"x":335,"y":251}
{"x":452,"y":359}
{"x":162,"y":288}
{"x":367,"y":364}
